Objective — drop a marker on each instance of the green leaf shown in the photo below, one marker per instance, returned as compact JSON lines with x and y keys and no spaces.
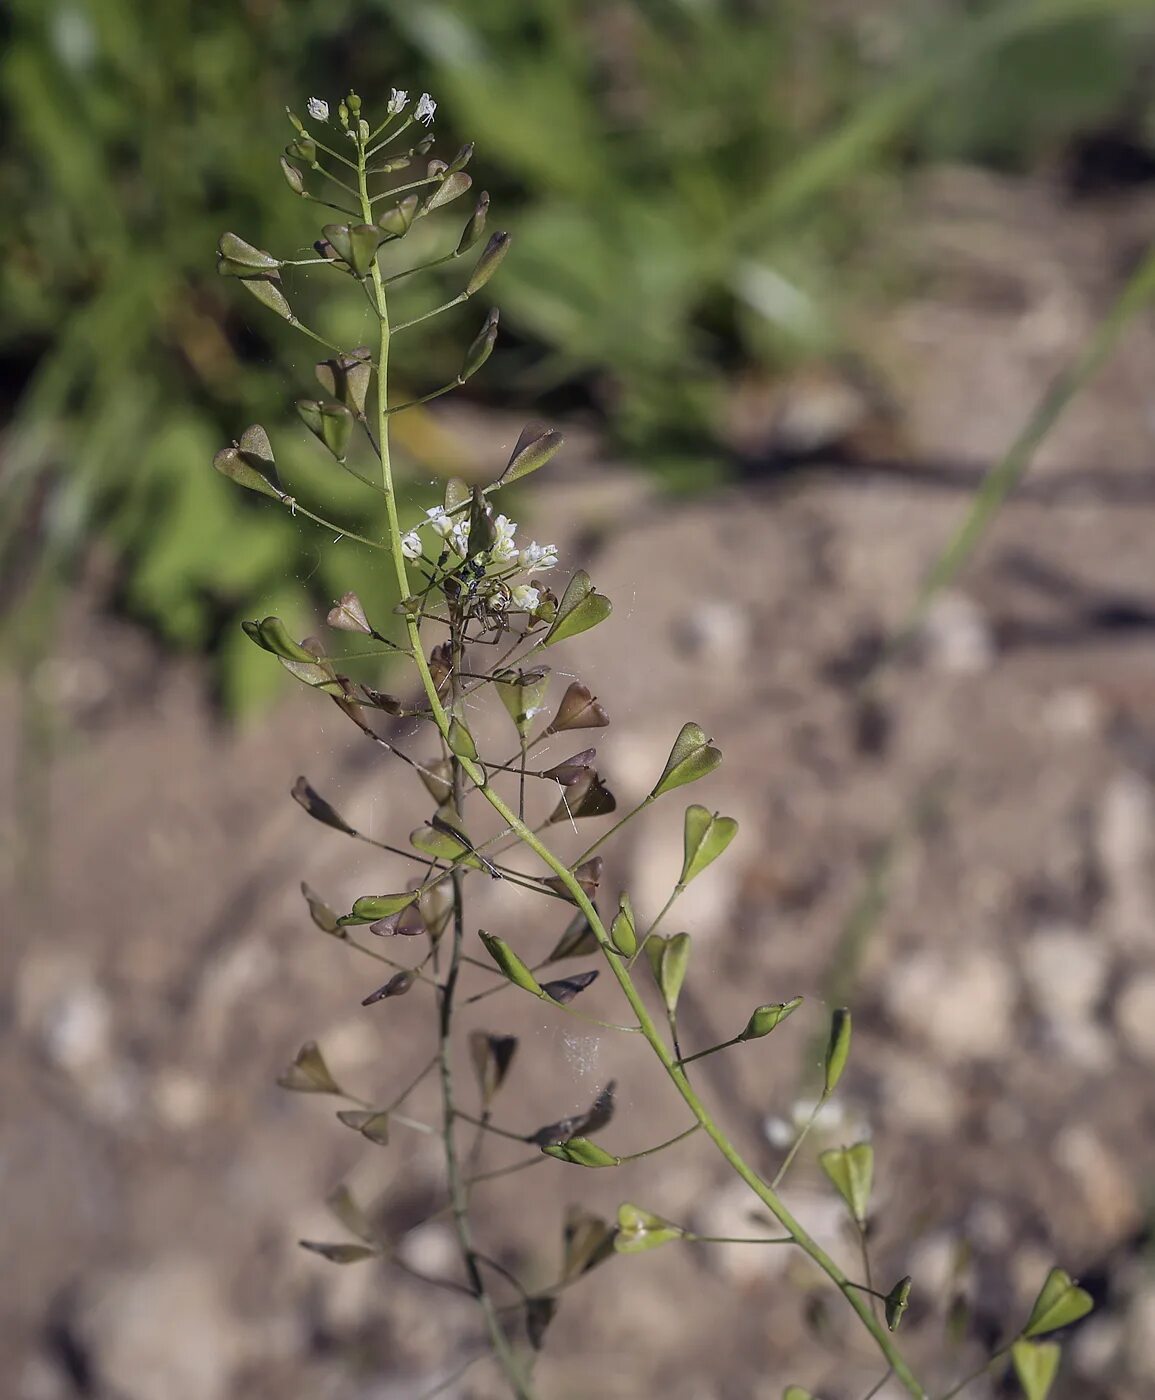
{"x":398,"y":220}
{"x":250,"y":463}
{"x":533,"y":449}
{"x":371,"y":907}
{"x":764,"y":1019}
{"x":269,"y":294}
{"x":837,"y":1048}
{"x":509,"y":963}
{"x":851,"y":1169}
{"x":355,"y":244}
{"x":309,"y":1074}
{"x":896,"y":1302}
{"x":234,"y":250}
{"x":580,"y":609}
{"x":332,"y":423}
{"x":623,"y":930}
{"x":796,"y":1392}
{"x":452,"y":187}
{"x":340,"y":1253}
{"x":581,"y":1152}
{"x":372,"y":1126}
{"x":347,"y":377}
{"x":639,"y":1230}
{"x":1060,"y":1302}
{"x":691,"y":758}
{"x":706,"y":836}
{"x":672,"y":970}
{"x":272,"y":634}
{"x":521,"y":692}
{"x":461,"y":740}
{"x":1036,"y":1365}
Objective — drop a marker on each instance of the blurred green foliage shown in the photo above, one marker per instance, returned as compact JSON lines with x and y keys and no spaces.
{"x":687,"y":182}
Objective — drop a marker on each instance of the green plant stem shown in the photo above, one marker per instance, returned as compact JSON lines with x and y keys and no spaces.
{"x":457,"y":1191}
{"x":799,"y":1140}
{"x":617,"y":826}
{"x":979,"y":1371}
{"x":478,"y":777}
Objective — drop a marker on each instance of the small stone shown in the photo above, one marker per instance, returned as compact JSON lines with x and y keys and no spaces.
{"x":182,"y":1101}
{"x":1104,"y":1183}
{"x":957,"y":637}
{"x":431,"y":1248}
{"x":920,"y":1096}
{"x":1126,"y":847}
{"x":161,"y":1330}
{"x":1066,"y":971}
{"x":1135,"y":1016}
{"x":716,"y":633}
{"x":964,"y":1006}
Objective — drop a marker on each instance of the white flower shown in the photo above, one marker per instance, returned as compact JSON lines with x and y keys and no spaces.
{"x":538,"y":557}
{"x":459,"y":538}
{"x":411,"y":545}
{"x":397,"y":100}
{"x":425,"y":109}
{"x":525,"y":597}
{"x":318,"y":109}
{"x":441,"y":520}
{"x":503,"y":550}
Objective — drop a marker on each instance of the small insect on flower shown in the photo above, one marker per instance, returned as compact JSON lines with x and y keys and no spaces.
{"x":318,"y":109}
{"x":425,"y":109}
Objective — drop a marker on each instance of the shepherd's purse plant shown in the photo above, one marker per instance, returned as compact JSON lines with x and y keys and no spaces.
{"x":476,"y":622}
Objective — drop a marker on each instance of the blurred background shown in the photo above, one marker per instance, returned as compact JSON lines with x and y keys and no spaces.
{"x":792,"y":276}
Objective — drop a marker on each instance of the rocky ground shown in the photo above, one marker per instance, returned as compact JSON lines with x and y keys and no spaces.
{"x":962,"y":851}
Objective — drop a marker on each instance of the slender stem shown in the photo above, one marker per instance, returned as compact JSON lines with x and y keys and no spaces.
{"x":798,"y":1141}
{"x":979,"y":1371}
{"x":870,"y":1289}
{"x":877,"y":1386}
{"x":437,"y":310}
{"x":617,"y":826}
{"x":457,"y":1191}
{"x":712,"y":1050}
{"x":454,"y":1376}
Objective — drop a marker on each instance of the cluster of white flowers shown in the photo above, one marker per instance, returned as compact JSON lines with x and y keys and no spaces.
{"x":318,"y":109}
{"x":534,"y":558}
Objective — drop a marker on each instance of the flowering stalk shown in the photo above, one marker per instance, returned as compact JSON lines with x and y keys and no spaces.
{"x":484,"y":590}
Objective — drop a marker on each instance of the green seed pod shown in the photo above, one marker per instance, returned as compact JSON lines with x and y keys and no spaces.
{"x":303,"y":148}
{"x":476,"y":225}
{"x":838,"y":1048}
{"x":293,"y":177}
{"x":398,"y":220}
{"x":481,"y":349}
{"x":491,"y":259}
